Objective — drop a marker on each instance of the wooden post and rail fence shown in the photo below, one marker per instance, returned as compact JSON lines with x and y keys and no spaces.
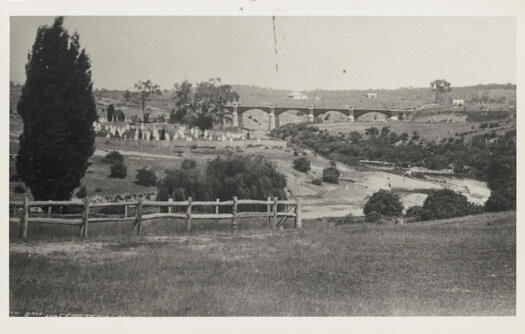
{"x":292,"y":209}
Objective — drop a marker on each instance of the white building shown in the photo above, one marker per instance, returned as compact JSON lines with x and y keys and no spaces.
{"x":297,"y":96}
{"x":458,"y":102}
{"x":371,"y":95}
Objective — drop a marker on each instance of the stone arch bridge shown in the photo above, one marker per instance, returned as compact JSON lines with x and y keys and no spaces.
{"x":273,"y":112}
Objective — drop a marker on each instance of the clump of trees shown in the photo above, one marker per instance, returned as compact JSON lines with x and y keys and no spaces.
{"x":202,"y":105}
{"x":247,"y":177}
{"x":302,"y":164}
{"x":467,"y":157}
{"x":58,"y":109}
{"x":382,"y":203}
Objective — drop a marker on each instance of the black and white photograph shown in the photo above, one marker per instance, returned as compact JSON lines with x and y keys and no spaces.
{"x":265,"y":165}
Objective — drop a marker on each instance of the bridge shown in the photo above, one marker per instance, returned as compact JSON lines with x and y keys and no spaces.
{"x":273,"y":112}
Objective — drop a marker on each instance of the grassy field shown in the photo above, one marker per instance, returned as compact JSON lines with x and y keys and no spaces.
{"x":464,"y":266}
{"x":427,"y":131}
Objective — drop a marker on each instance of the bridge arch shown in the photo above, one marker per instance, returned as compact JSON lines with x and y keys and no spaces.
{"x":292,"y":116}
{"x":254,"y":119}
{"x":333,"y":116}
{"x":360,"y":112}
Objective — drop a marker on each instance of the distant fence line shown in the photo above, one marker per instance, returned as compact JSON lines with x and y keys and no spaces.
{"x":292,"y":209}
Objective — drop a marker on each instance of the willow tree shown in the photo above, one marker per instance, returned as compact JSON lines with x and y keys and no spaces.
{"x":58,"y":109}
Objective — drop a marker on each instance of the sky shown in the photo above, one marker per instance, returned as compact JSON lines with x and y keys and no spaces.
{"x":307,"y":53}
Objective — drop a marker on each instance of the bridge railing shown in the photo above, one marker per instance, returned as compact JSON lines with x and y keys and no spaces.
{"x":78,"y":212}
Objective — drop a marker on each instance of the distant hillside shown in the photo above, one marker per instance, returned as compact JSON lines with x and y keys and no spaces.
{"x":495,"y":96}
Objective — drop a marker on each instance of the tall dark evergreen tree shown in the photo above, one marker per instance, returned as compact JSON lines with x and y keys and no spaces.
{"x":58,"y":109}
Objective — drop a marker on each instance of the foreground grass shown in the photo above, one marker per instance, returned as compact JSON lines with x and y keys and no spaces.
{"x":462,"y":266}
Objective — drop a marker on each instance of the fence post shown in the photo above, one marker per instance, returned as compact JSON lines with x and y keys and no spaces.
{"x":217,"y":207}
{"x":274,"y":222}
{"x":85,"y":214}
{"x":49,"y":209}
{"x":169,"y":207}
{"x":125,"y":211}
{"x":25,"y":219}
{"x":138,"y":216}
{"x":234,"y":212}
{"x":298,"y":214}
{"x":188,"y":215}
{"x":268,"y":210}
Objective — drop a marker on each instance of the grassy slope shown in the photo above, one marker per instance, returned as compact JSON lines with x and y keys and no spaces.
{"x":464,"y":266}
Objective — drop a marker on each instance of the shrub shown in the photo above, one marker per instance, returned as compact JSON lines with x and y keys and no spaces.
{"x":385,"y":203}
{"x":302,"y":164}
{"x":188,"y":164}
{"x":146,"y":177}
{"x":372,"y":217}
{"x":97,"y":190}
{"x":118,"y":169}
{"x":446,"y":203}
{"x":113,"y":157}
{"x":317,"y":182}
{"x":19,"y":189}
{"x":414,"y":211}
{"x":502,"y":199}
{"x":332,"y":163}
{"x":82,"y":192}
{"x":331,"y":175}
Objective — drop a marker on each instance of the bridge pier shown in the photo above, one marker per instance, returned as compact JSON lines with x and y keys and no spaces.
{"x":394,"y":116}
{"x":235,"y":117}
{"x":271,"y":119}
{"x":351,"y":115}
{"x":310,"y":114}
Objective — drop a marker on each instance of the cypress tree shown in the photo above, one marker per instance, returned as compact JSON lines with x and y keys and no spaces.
{"x":58,"y":109}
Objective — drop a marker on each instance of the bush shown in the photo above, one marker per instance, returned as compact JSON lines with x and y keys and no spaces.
{"x":385,"y":203}
{"x":414,"y":211}
{"x":372,"y":217}
{"x":332,"y":163}
{"x":317,"y":182}
{"x":97,"y":190}
{"x":113,"y":157}
{"x":146,"y":177}
{"x":445,"y":203}
{"x":118,"y":169}
{"x":302,"y":164}
{"x":188,"y":164}
{"x":502,"y":199}
{"x":331,"y":175}
{"x":82,"y":192}
{"x":19,"y":189}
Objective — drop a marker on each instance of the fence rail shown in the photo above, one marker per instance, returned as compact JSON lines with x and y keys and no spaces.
{"x":292,"y":209}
